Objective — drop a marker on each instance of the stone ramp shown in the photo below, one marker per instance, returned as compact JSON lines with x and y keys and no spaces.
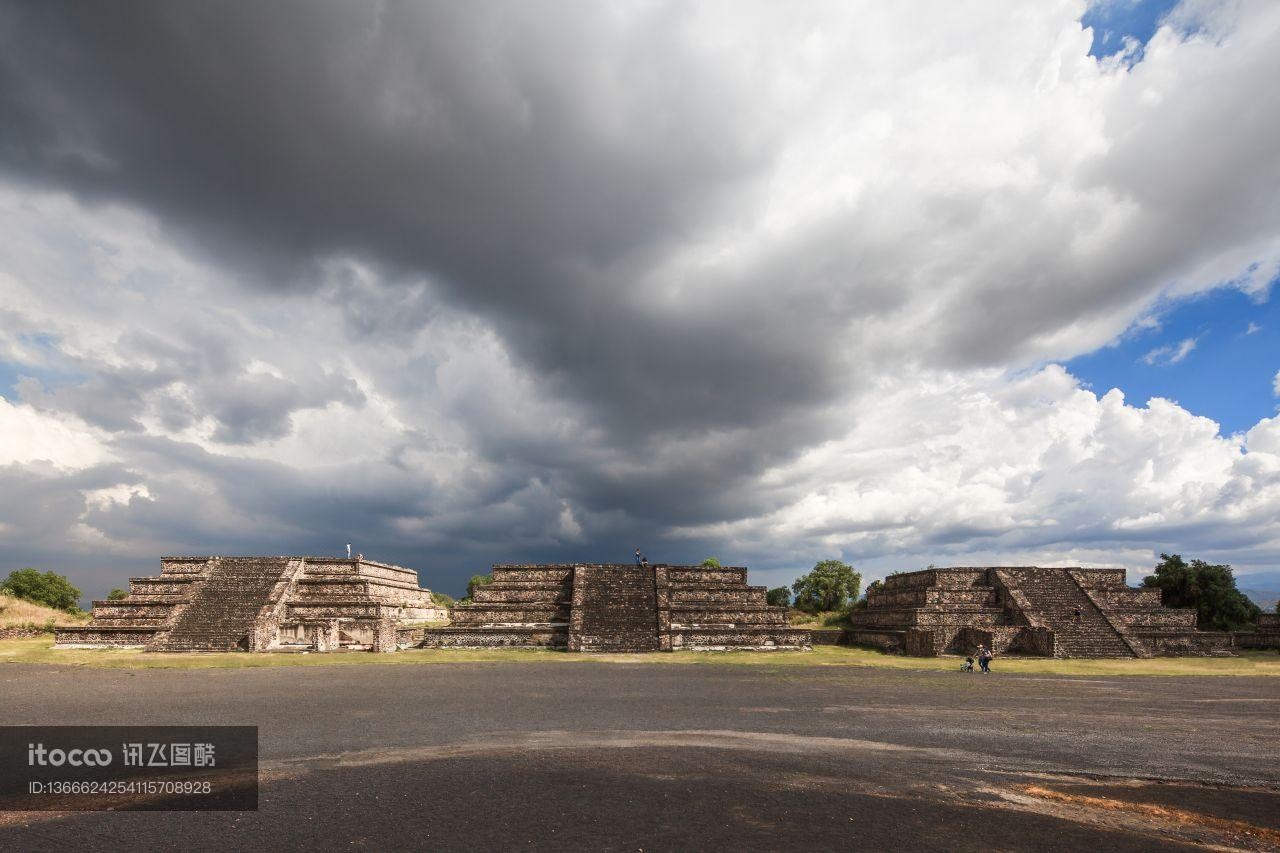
{"x":1051,"y":598}
{"x":614,"y":609}
{"x":224,"y":610}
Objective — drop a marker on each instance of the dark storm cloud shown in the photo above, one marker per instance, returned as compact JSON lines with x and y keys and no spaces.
{"x":200,"y":502}
{"x":524,"y":156}
{"x":41,"y":504}
{"x":205,"y":374}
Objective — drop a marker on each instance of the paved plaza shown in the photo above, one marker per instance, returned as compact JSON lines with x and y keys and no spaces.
{"x":659,"y":756}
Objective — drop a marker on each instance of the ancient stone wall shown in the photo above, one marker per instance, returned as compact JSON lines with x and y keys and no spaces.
{"x":828,"y":637}
{"x":889,"y":641}
{"x":1267,"y":635}
{"x":611,"y":607}
{"x":1185,"y":643}
{"x":525,"y":606}
{"x":497,"y":636}
{"x":517,"y":613}
{"x":259,"y":603}
{"x":89,"y":637}
{"x":1026,"y":609}
{"x":725,"y":639}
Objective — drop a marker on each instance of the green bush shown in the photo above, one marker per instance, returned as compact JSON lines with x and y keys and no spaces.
{"x":440,"y":599}
{"x":476,"y":582}
{"x":862,"y":603}
{"x":779,"y":597}
{"x":117,"y":594}
{"x":47,"y":588}
{"x":710,"y":563}
{"x":1210,"y":589}
{"x":830,"y":586}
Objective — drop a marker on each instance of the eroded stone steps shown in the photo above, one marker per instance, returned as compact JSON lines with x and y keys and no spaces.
{"x":1053,"y":599}
{"x":225,"y":607}
{"x":616,"y":609}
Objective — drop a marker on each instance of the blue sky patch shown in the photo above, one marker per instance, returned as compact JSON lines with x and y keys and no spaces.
{"x":12,"y":372}
{"x":8,"y":380}
{"x":1215,"y":354}
{"x":1113,"y":21}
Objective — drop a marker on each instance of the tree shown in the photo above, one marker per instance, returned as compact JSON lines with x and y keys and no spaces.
{"x":476,"y":582}
{"x":831,"y":585}
{"x":861,"y":603}
{"x":441,"y":599}
{"x":48,"y":588}
{"x":117,"y":594}
{"x":779,"y":597}
{"x":710,"y":563}
{"x":1209,"y":588}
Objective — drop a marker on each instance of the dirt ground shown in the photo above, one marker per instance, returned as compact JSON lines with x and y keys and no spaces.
{"x":617,"y":756}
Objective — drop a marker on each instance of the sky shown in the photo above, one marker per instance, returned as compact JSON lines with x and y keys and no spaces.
{"x":967,"y":283}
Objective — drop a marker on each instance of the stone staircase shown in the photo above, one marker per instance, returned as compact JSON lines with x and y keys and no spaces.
{"x":1027,"y":610}
{"x":1051,"y":598}
{"x":603,"y":607}
{"x":224,"y":610}
{"x":614,"y":609}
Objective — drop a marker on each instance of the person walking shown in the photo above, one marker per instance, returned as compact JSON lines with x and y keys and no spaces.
{"x":1076,"y":613}
{"x":984,"y":659}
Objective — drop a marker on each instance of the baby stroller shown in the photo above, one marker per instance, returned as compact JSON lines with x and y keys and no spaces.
{"x":967,"y":666}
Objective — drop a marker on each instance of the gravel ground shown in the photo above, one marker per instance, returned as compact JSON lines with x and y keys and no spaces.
{"x":606,"y":756}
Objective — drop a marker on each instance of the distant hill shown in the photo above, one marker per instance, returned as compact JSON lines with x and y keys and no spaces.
{"x":1263,"y":588}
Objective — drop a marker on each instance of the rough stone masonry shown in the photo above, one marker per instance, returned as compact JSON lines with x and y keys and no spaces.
{"x":1058,"y":612}
{"x":586,"y":607}
{"x":260,"y":603}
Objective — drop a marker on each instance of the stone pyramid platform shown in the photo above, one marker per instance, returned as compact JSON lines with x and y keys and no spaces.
{"x":1028,"y":610}
{"x":618,"y":608}
{"x":1265,"y":636}
{"x":259,"y":603}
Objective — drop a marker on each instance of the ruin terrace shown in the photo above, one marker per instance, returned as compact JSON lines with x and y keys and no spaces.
{"x":586,"y":607}
{"x":260,"y":603}
{"x":1028,"y":610}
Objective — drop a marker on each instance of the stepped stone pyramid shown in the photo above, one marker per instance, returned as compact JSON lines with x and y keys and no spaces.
{"x":618,"y":608}
{"x":258,"y":603}
{"x":1029,"y":610}
{"x":1265,"y":636}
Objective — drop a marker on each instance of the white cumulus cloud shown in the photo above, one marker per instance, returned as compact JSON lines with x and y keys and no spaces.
{"x":1171,"y":354}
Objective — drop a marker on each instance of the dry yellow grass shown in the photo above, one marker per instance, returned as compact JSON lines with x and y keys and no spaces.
{"x":16,"y":613}
{"x":822,"y":619}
